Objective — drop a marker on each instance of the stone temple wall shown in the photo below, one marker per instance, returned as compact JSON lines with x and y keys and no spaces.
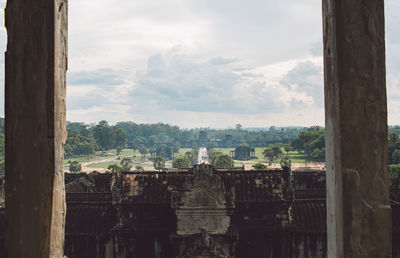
{"x":202,"y":212}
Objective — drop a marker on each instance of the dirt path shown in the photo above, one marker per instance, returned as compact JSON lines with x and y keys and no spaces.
{"x":148,"y":165}
{"x":85,"y":164}
{"x":85,"y":167}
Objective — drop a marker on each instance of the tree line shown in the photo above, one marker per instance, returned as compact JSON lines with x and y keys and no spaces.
{"x":85,"y":139}
{"x":311,"y":141}
{"x":394,"y":152}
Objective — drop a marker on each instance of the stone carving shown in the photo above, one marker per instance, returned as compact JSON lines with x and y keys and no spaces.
{"x":116,"y":186}
{"x":204,"y":245}
{"x":203,"y":203}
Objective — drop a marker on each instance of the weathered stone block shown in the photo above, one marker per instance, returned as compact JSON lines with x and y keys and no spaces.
{"x":36,"y":63}
{"x":356,"y":129}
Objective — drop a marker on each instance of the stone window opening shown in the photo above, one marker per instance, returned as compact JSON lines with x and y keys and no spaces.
{"x":354,"y":52}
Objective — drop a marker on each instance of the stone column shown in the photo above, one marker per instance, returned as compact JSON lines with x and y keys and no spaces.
{"x":36,"y":63}
{"x":359,"y":214}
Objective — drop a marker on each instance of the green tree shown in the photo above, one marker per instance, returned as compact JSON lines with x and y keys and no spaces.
{"x":86,"y":148}
{"x":287,"y":148}
{"x":277,"y":150}
{"x":139,"y":168}
{"x":318,"y":154}
{"x":393,"y":146}
{"x":181,"y":162}
{"x":189,"y":155}
{"x":297,"y":144}
{"x":195,"y":148}
{"x":126,"y":164}
{"x":393,"y":138}
{"x":114,"y":168}
{"x":223,"y":161}
{"x":394,"y":170}
{"x":270,"y":154}
{"x":2,"y":151}
{"x":119,"y":138}
{"x":159,"y":163}
{"x":396,"y":157}
{"x":307,"y":137}
{"x":104,"y":135}
{"x":136,"y":144}
{"x":259,"y":166}
{"x":143,"y":150}
{"x":77,"y":127}
{"x":2,"y":167}
{"x":312,"y":141}
{"x":75,"y":166}
{"x":285,"y":162}
{"x":118,"y":150}
{"x":152,"y":150}
{"x":153,"y":134}
{"x":152,"y":140}
{"x":175,"y":149}
{"x":192,"y":155}
{"x":163,"y":138}
{"x":213,"y":154}
{"x":211,"y":145}
{"x":319,"y":140}
{"x":79,"y":144}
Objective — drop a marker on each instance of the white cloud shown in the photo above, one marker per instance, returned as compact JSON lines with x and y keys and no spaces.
{"x":255,"y":62}
{"x":213,"y":88}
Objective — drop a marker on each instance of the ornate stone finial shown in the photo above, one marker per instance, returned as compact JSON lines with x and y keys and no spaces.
{"x":203,"y":203}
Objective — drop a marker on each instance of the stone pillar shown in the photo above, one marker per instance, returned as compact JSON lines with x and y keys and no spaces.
{"x":359,"y":215}
{"x":36,"y":63}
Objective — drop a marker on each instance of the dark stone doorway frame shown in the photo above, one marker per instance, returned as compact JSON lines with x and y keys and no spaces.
{"x":359,"y":216}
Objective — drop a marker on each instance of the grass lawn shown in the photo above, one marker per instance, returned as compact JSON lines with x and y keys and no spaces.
{"x":110,"y":154}
{"x":125,"y":153}
{"x":102,"y":165}
{"x":182,"y":151}
{"x":85,"y":158}
{"x":226,"y":151}
{"x":294,"y":156}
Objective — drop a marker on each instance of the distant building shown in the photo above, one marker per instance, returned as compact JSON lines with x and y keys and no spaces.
{"x":243,"y":152}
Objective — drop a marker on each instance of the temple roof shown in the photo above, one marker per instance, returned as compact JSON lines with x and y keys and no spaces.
{"x":309,"y":215}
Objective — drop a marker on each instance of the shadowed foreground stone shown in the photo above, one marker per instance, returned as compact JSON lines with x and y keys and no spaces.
{"x":36,"y":62}
{"x":359,"y":215}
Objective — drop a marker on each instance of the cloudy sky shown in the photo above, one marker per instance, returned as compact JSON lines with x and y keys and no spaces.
{"x":202,"y":63}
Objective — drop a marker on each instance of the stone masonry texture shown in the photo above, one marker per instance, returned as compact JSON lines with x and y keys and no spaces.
{"x":35,"y":127}
{"x":358,"y":211}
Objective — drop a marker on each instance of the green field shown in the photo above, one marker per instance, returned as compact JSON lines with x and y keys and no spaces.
{"x":110,"y":154}
{"x":102,"y":165}
{"x":226,"y":151}
{"x":294,"y":156}
{"x":182,"y":151}
{"x":82,"y":159}
{"x":104,"y":158}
